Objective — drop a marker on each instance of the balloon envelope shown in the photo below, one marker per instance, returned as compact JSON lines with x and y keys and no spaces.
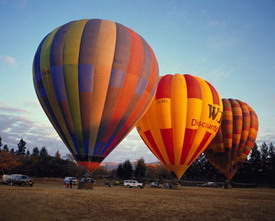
{"x":235,"y":138}
{"x":182,"y":120}
{"x":94,"y":79}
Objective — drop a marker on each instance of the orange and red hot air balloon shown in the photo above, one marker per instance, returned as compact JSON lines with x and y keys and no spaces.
{"x":94,"y":79}
{"x":235,"y":138}
{"x":182,"y":120}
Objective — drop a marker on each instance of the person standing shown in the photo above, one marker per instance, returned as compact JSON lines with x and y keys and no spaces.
{"x":71,"y":183}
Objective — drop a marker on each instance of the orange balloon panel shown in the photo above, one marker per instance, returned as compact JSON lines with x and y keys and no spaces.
{"x":235,"y":137}
{"x":182,"y":120}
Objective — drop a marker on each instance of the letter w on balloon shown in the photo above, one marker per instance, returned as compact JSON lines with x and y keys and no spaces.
{"x":215,"y":114}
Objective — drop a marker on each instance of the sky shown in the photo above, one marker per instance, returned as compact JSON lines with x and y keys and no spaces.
{"x":229,"y":43}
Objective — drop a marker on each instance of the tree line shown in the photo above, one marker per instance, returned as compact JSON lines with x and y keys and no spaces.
{"x":259,"y":168}
{"x":37,"y":163}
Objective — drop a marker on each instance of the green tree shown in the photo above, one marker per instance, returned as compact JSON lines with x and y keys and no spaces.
{"x":21,"y":147}
{"x":43,"y":152}
{"x":12,"y":151}
{"x":255,"y":165}
{"x":57,"y":155}
{"x":140,"y":169}
{"x":119,"y":171}
{"x":1,"y":143}
{"x":35,"y":152}
{"x":264,"y":163}
{"x":127,"y":169}
{"x":271,"y":164}
{"x":5,"y":148}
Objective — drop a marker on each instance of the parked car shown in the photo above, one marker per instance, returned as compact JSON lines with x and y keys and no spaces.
{"x":208,"y":184}
{"x":19,"y":179}
{"x":5,"y":178}
{"x":156,"y":185}
{"x":87,"y":180}
{"x":67,"y":180}
{"x":132,"y":183}
{"x":114,"y":183}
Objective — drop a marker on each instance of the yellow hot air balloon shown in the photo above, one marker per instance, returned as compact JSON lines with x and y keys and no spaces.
{"x":182,"y":120}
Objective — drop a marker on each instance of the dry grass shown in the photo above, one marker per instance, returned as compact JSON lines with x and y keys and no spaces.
{"x":55,"y":202}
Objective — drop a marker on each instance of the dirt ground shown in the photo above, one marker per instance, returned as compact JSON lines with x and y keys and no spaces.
{"x":55,"y":202}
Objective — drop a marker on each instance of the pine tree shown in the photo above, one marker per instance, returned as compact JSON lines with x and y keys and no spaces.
{"x":119,"y":171}
{"x":35,"y":152}
{"x":264,"y":163}
{"x":12,"y":151}
{"x":255,"y":164}
{"x":140,"y":169}
{"x":43,"y":152}
{"x":21,"y":147}
{"x":57,"y":155}
{"x":271,"y":164}
{"x":127,"y":169}
{"x":6,"y":148}
{"x":1,"y":143}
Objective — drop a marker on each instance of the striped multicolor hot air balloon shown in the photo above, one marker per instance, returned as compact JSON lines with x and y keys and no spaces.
{"x":235,"y":138}
{"x":182,"y":120}
{"x":94,"y":79}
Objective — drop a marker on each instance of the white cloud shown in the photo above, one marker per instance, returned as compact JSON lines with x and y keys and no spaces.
{"x":267,"y":138}
{"x":14,"y":127}
{"x":221,"y":43}
{"x":15,"y":124}
{"x":218,"y":74}
{"x":131,"y":148}
{"x":9,"y":109}
{"x":9,"y":60}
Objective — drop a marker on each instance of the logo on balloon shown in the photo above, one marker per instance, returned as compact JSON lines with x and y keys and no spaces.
{"x":204,"y":124}
{"x":214,"y":114}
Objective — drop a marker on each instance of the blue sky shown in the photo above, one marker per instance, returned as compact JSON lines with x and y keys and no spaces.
{"x":229,"y":43}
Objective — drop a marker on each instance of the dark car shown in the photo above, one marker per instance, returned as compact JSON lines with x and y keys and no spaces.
{"x":21,"y":180}
{"x":155,"y":185}
{"x":87,"y":180}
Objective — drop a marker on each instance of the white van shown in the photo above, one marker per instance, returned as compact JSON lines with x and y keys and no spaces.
{"x":67,"y":180}
{"x":132,"y":183}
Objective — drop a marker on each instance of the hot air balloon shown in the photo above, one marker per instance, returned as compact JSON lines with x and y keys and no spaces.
{"x":94,"y":79}
{"x":181,"y":121}
{"x":235,"y":138}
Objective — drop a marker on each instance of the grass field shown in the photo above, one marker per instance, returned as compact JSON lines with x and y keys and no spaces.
{"x":55,"y":202}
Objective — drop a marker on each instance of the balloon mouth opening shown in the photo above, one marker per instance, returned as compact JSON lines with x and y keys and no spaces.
{"x":90,"y":166}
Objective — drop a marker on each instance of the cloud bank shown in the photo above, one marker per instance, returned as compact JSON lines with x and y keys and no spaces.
{"x":16,"y":123}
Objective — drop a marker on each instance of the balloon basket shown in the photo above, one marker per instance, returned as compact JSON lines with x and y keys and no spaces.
{"x":86,"y":186}
{"x":227,"y":184}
